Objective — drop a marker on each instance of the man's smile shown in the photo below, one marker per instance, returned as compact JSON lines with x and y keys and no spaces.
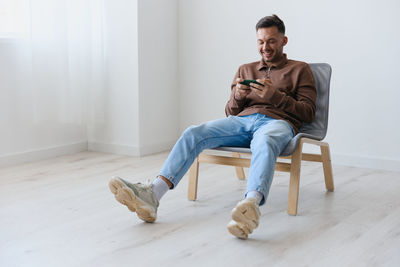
{"x":267,"y":54}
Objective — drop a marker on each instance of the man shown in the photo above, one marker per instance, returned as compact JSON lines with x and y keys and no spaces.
{"x":263,"y":116}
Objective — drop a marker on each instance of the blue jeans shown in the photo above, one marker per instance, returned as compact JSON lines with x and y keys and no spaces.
{"x":266,"y":137}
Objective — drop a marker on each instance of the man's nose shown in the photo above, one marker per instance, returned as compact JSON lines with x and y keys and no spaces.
{"x":265,"y":46}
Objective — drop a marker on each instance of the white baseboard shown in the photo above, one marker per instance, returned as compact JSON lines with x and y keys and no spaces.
{"x":113,"y":148}
{"x":40,"y":154}
{"x":387,"y":164}
{"x":156,"y":147}
{"x":130,"y":150}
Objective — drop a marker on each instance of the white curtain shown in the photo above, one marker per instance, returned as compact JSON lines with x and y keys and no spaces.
{"x":48,"y":71}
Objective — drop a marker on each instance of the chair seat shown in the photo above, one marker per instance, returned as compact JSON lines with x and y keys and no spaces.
{"x":290,"y":148}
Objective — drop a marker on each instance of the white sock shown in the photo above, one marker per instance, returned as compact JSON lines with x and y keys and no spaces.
{"x":159,"y":188}
{"x":258,"y":196}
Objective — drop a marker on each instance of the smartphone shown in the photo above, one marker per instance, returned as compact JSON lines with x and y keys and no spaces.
{"x":247,"y":82}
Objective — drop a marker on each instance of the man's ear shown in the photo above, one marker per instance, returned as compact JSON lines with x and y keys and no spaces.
{"x":285,"y":40}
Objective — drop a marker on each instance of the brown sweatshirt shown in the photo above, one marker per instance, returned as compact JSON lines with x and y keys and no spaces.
{"x":291,"y":98}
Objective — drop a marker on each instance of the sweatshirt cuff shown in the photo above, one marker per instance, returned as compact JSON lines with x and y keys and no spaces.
{"x":239,"y":102}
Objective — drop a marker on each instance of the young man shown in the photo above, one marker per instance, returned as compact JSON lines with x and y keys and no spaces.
{"x":263,"y":116}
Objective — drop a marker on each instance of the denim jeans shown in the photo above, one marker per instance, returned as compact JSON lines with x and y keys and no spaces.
{"x":266,"y":137}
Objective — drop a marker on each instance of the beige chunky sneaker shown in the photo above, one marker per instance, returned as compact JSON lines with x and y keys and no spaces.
{"x":245,"y":218}
{"x":137,"y":197}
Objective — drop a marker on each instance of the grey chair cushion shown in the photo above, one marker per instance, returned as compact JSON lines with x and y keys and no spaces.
{"x":316,"y":129}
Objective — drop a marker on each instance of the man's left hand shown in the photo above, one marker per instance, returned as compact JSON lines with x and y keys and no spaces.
{"x":260,"y":90}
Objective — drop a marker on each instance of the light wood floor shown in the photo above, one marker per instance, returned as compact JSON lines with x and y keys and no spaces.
{"x":59,"y":212}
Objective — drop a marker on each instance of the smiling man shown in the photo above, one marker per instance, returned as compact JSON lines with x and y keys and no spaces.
{"x":263,"y":116}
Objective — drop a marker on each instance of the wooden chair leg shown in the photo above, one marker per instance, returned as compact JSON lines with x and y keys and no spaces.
{"x":294,"y":180}
{"x":239,"y":170}
{"x":193,"y":180}
{"x":327,"y":165}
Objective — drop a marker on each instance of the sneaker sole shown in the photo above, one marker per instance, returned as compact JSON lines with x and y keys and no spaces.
{"x":246,"y":214}
{"x":125,"y":196}
{"x":244,"y":220}
{"x":235,"y":229}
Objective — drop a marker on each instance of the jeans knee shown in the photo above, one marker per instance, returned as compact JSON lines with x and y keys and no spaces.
{"x":267,"y":143}
{"x":189,"y":131}
{"x":194,"y":132}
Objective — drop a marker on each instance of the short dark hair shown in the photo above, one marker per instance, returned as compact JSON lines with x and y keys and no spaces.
{"x":270,"y":21}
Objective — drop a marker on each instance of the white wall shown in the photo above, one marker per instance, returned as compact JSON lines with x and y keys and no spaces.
{"x":98,"y":75}
{"x":35,"y":115}
{"x":158,"y":75}
{"x":358,"y":38}
{"x":114,"y":110}
{"x":137,"y":111}
{"x":128,"y":94}
{"x":42,"y":86}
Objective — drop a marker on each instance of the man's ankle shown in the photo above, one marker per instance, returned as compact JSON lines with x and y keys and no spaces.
{"x":258,"y":196}
{"x":160,"y":186}
{"x":168,"y":182}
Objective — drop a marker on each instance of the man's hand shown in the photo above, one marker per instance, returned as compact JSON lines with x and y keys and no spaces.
{"x":241,"y":90}
{"x":260,"y":90}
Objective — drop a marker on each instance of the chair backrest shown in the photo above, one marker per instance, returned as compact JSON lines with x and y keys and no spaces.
{"x":322,"y":75}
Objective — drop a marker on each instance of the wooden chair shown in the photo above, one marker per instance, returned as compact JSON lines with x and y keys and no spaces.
{"x":310,"y":133}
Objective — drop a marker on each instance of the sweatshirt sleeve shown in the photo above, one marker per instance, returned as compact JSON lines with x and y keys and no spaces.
{"x":302,"y":104}
{"x":234,"y":106}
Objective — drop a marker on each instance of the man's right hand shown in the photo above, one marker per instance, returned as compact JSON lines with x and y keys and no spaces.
{"x":241,"y":90}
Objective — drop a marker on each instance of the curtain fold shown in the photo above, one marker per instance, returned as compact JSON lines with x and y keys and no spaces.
{"x":48,"y":71}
